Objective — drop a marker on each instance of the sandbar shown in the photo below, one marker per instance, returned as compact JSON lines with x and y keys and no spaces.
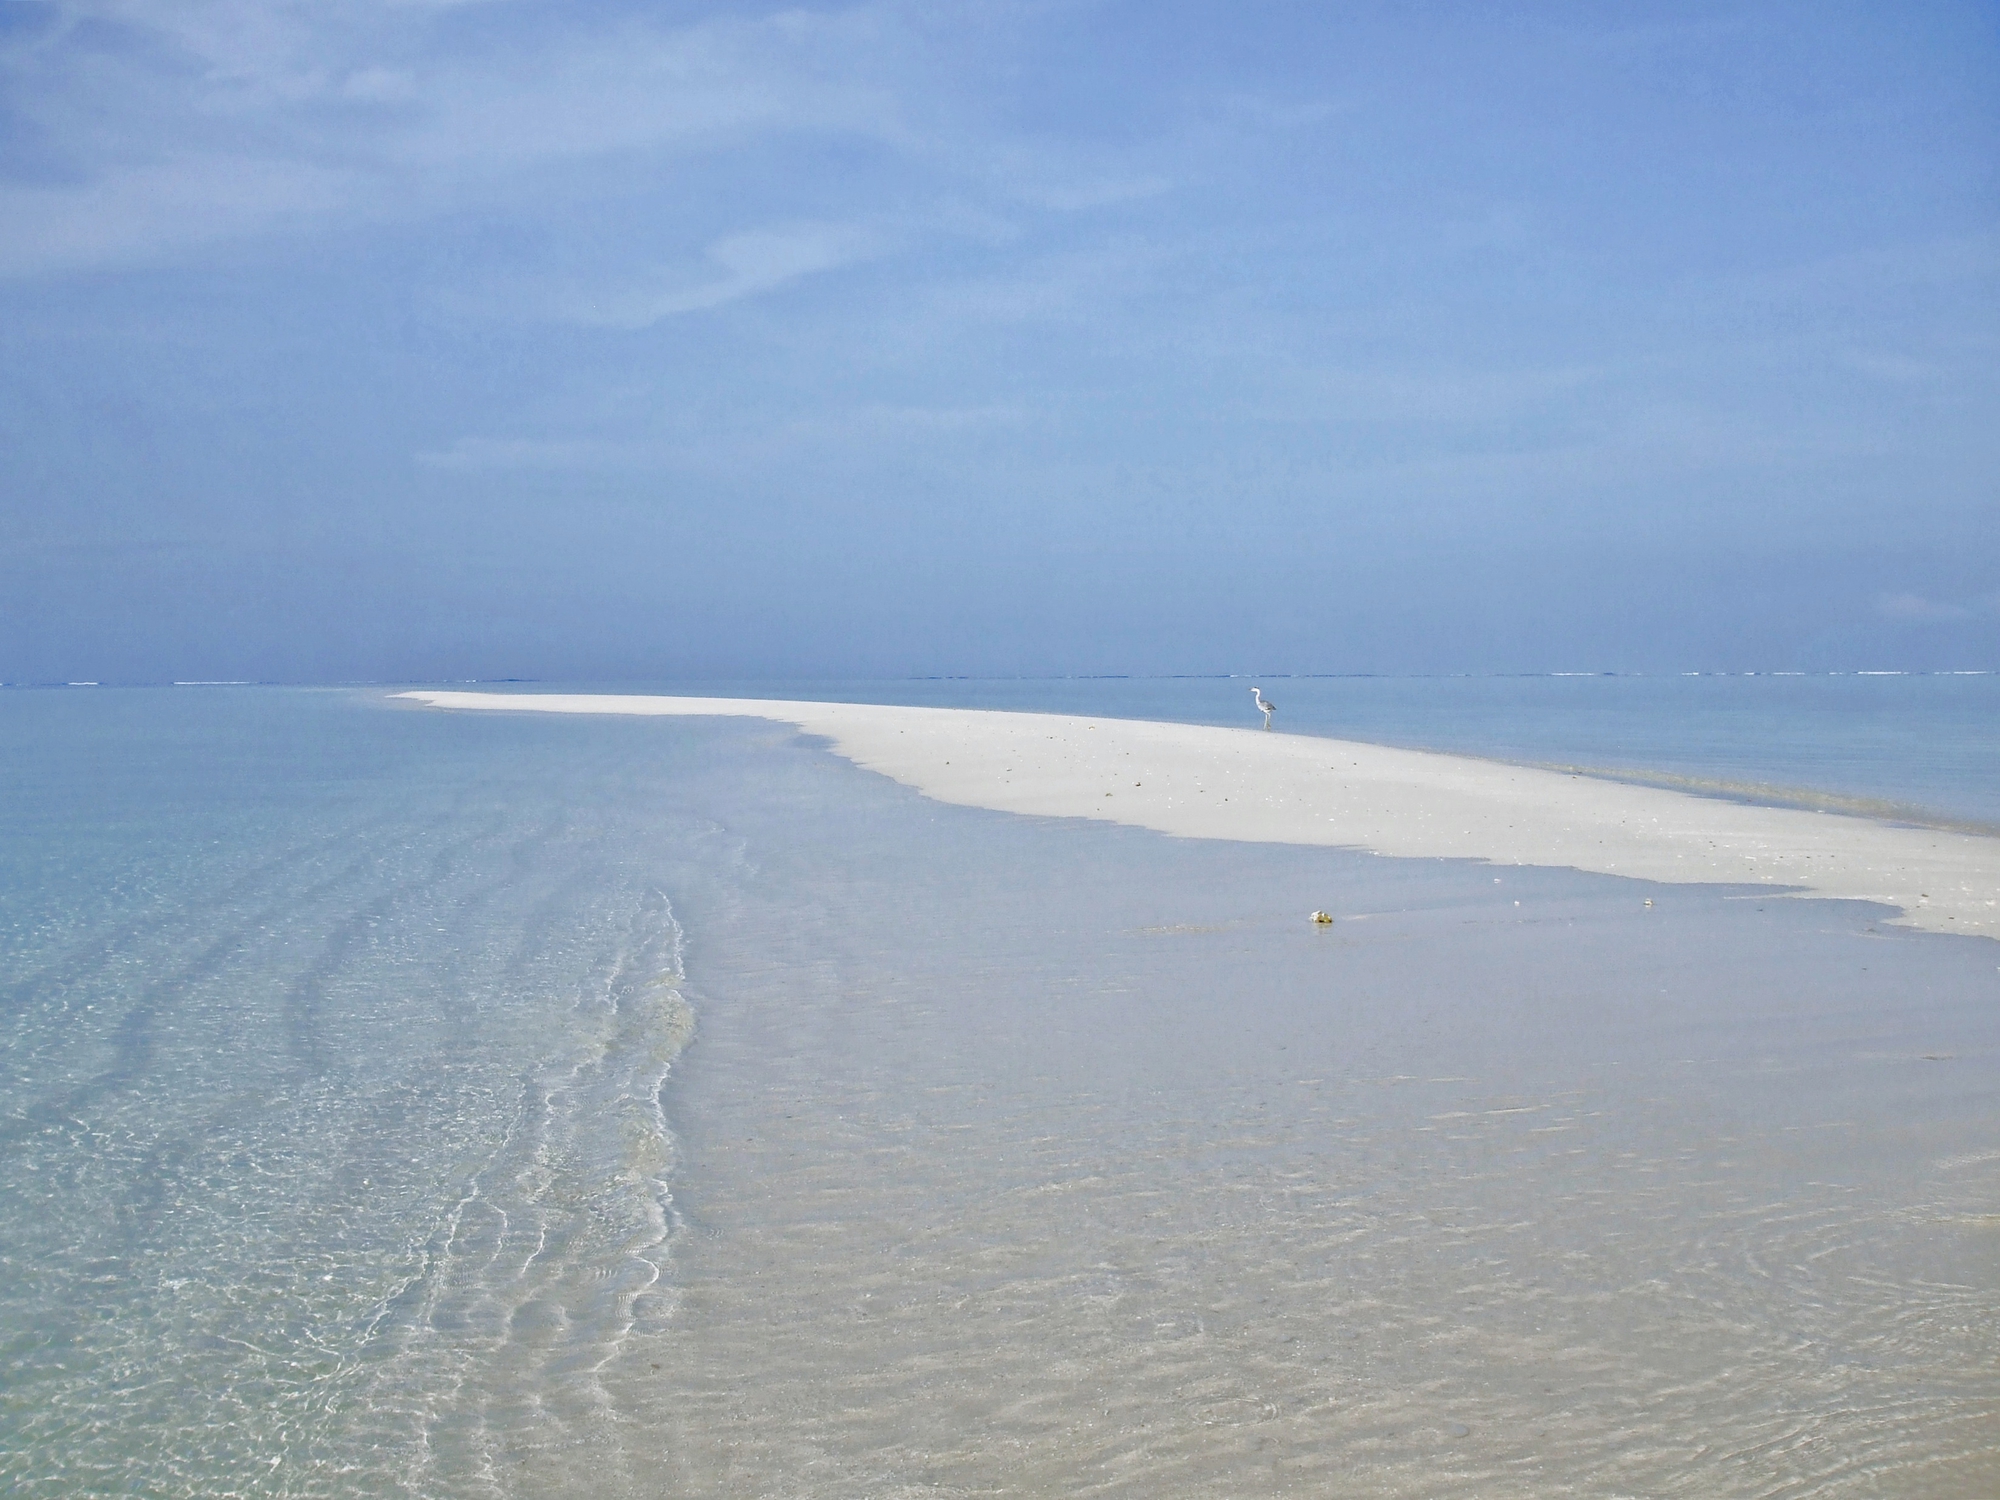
{"x":1204,"y":782}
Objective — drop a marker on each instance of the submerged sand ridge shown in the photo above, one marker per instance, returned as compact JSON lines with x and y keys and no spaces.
{"x":1196,"y":781}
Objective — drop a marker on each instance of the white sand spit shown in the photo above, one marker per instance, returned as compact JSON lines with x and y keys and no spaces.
{"x":1199,"y":782}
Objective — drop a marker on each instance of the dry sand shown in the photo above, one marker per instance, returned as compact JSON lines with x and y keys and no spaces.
{"x":1195,"y":781}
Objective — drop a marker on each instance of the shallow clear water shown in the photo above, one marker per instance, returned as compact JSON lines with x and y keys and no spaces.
{"x":330,"y":1141}
{"x":352,"y":1139}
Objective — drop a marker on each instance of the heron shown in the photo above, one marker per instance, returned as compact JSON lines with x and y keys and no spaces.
{"x":1265,"y":704}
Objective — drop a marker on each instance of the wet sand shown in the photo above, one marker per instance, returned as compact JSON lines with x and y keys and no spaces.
{"x":1051,"y":1157}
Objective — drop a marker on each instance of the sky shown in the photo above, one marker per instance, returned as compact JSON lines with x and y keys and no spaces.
{"x":598,"y":341}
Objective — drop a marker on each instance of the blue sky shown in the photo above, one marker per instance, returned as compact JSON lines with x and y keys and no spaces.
{"x":421,"y":339}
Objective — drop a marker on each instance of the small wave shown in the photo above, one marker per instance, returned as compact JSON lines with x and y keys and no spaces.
{"x":532,"y":1282}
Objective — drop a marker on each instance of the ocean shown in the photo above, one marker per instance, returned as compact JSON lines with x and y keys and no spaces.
{"x":403,"y":1103}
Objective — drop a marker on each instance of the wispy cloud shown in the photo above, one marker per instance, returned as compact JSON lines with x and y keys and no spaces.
{"x":1936,"y":261}
{"x":1438,"y":395}
{"x":908,"y":430}
{"x":550,"y":455}
{"x":1065,"y":286}
{"x":1077,"y":194}
{"x":183,"y":124}
{"x":155,"y":210}
{"x":753,"y":446}
{"x":737,"y":266}
{"x":1917,"y":607}
{"x":1896,"y":369}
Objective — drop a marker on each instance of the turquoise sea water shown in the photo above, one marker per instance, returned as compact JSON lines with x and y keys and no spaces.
{"x":333,"y":1039}
{"x":394,"y":1102}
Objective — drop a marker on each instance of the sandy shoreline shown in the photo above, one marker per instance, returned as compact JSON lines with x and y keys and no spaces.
{"x":1196,"y":781}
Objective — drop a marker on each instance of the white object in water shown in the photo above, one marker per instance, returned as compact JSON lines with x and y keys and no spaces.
{"x":1264,"y":703}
